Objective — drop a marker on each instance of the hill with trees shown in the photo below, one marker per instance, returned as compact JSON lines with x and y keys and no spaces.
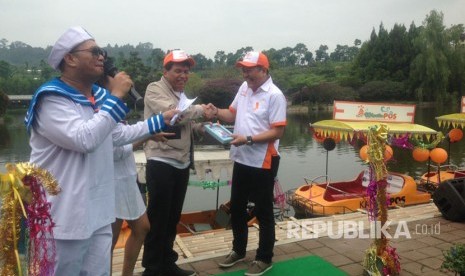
{"x":414,"y":63}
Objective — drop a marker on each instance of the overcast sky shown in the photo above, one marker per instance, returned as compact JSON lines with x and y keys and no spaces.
{"x":207,"y":26}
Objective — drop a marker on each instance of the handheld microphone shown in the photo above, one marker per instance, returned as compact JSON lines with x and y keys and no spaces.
{"x":110,"y":70}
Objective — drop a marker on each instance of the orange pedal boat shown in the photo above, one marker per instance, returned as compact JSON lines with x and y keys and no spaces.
{"x":429,"y":181}
{"x":329,"y":198}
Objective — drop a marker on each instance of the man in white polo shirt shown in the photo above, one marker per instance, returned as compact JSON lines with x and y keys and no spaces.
{"x":259,"y":113}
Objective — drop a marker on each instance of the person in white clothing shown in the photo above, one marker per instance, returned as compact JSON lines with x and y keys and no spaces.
{"x":259,"y":115}
{"x":73,"y":126}
{"x":129,"y":206}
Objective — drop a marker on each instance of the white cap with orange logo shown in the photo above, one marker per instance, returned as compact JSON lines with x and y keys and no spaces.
{"x":178,"y":56}
{"x":252,"y":59}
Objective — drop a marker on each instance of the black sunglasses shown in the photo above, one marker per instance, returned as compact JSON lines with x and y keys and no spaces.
{"x":95,"y":51}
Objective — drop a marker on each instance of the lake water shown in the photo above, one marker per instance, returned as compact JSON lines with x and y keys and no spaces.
{"x":301,"y":155}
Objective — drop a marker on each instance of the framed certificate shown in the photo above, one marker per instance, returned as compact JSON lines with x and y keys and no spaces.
{"x":219,"y":132}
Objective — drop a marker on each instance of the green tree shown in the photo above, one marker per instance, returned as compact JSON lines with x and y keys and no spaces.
{"x":194,"y":85}
{"x":300,"y":52}
{"x":220,"y":58}
{"x":327,"y":92}
{"x":3,"y":103}
{"x":156,"y":59}
{"x":287,"y":57}
{"x":386,"y":56}
{"x":274,"y":57}
{"x":341,"y":53}
{"x":456,"y":59}
{"x":378,"y":54}
{"x":383,"y":91}
{"x":46,"y":72}
{"x":5,"y":70}
{"x":321,"y":54}
{"x":430,"y":72}
{"x":140,"y":74}
{"x":231,"y":58}
{"x":201,"y":62}
{"x":220,"y":92}
{"x":308,"y":58}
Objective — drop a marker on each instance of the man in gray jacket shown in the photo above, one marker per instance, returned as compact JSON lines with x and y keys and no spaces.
{"x":168,"y":163}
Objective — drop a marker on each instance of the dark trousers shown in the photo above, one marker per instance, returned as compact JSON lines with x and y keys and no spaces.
{"x":166,"y":187}
{"x":257,"y":183}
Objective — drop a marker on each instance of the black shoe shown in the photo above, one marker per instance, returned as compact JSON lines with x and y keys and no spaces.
{"x":150,"y":272}
{"x":177,"y":271}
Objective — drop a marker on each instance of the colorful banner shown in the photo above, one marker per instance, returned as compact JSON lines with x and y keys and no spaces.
{"x":380,"y":112}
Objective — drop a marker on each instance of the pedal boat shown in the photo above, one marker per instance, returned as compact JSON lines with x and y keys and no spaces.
{"x":430,"y":180}
{"x":320,"y":197}
{"x":436,"y":174}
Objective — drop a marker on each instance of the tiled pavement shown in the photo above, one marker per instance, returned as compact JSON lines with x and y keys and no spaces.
{"x":420,"y":254}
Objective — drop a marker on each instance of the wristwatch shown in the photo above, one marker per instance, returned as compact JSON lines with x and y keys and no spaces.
{"x":249,"y":140}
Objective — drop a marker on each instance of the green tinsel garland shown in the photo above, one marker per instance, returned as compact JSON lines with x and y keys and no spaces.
{"x":208,"y":184}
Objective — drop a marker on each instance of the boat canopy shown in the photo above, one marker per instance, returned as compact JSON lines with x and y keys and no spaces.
{"x":346,"y":129}
{"x":455,"y":120}
{"x":356,"y":118}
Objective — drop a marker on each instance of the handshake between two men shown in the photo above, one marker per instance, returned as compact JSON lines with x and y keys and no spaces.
{"x":210,"y":112}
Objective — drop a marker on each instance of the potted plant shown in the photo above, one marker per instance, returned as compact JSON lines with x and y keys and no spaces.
{"x":454,"y":259}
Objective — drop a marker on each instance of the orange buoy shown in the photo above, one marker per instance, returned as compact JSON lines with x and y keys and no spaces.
{"x":420,"y":154}
{"x":438,"y":155}
{"x":455,"y":135}
{"x":364,"y":153}
{"x":388,"y":153}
